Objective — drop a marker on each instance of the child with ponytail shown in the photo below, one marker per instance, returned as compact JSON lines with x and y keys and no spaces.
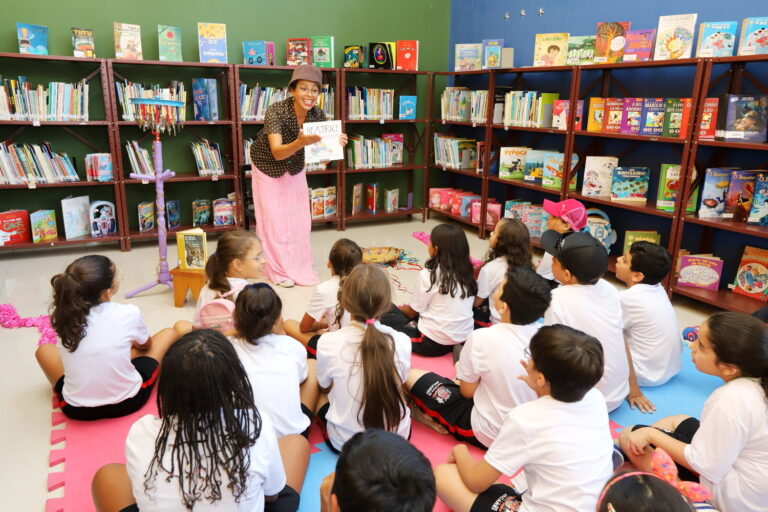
{"x":728,"y":449}
{"x":363,"y":365}
{"x":105,"y":362}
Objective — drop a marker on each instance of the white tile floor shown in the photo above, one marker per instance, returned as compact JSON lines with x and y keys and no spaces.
{"x":24,"y":393}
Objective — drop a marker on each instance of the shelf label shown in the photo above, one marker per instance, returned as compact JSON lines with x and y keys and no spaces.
{"x":36,"y":123}
{"x":215,"y":177}
{"x":381,"y":121}
{"x":653,"y":138}
{"x":506,"y":127}
{"x":32,"y":184}
{"x":144,"y":182}
{"x":211,"y":122}
{"x":474,"y":124}
{"x":443,"y":121}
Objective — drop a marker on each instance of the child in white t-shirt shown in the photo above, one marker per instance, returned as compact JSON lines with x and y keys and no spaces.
{"x":590,"y":304}
{"x":561,"y":440}
{"x":474,"y":409}
{"x":362,"y":366}
{"x":323,"y":312}
{"x":508,"y":247}
{"x":651,"y":329}
{"x":444,"y":295}
{"x":105,"y":362}
{"x":234,"y":466}
{"x":568,"y":216}
{"x":727,"y":451}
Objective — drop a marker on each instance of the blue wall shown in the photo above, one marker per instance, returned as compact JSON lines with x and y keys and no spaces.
{"x":475,"y":20}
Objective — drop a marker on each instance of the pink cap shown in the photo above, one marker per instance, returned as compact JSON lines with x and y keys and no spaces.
{"x":570,"y":210}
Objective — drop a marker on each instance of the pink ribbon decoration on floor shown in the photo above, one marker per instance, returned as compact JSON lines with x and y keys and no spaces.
{"x":10,"y":319}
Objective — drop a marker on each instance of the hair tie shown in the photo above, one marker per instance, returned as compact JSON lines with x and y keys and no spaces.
{"x":370,"y":321}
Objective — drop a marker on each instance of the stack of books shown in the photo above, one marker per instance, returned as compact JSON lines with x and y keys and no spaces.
{"x":34,"y":163}
{"x":531,"y":109}
{"x":208,"y":158}
{"x":374,"y":152}
{"x":367,"y":103}
{"x":20,"y":101}
{"x":455,"y":153}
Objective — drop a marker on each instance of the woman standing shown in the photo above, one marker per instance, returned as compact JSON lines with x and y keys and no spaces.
{"x":280,"y":192}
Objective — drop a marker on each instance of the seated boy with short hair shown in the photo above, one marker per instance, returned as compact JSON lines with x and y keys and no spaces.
{"x":561,"y":440}
{"x":474,"y":409}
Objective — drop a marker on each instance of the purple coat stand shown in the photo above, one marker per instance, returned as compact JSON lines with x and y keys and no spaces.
{"x":163,"y":273}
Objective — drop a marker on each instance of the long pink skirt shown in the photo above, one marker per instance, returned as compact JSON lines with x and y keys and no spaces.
{"x":283,"y":223}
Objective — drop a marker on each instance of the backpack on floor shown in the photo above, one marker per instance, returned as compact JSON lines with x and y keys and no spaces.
{"x":219,"y":314}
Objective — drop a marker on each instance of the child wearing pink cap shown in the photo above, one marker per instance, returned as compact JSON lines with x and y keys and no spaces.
{"x":565,"y":216}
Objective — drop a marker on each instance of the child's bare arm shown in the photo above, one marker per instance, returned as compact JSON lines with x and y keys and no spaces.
{"x":408,"y":311}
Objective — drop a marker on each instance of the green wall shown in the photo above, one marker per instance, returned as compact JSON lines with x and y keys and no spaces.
{"x":350,"y":21}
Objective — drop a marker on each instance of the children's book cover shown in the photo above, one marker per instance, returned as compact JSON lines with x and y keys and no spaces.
{"x":709,"y":119}
{"x":330,"y":202}
{"x":550,"y":49}
{"x":212,"y":42}
{"x":581,"y":50}
{"x":669,"y":184}
{"x":738,"y":201}
{"x":746,"y":118}
{"x":192,"y":248}
{"x":103,"y":220}
{"x":630,"y":184}
{"x":598,"y":175}
{"x":329,"y":148}
{"x":468,"y":57}
{"x":223,"y":212}
{"x":357,"y":198}
{"x":74,"y":211}
{"x":317,"y":202}
{"x":639,"y":46}
{"x":464,"y":204}
{"x":714,"y":192}
{"x":43,"y":226}
{"x":752,"y":275}
{"x":652,"y":117}
{"x":716,"y":39}
{"x":32,"y":38}
{"x":355,"y":56}
{"x":534,"y":165}
{"x":201,"y":212}
{"x":82,"y":42}
{"x":372,"y":198}
{"x":614,"y":110}
{"x":298,"y":51}
{"x":396,"y":145}
{"x":146,"y":216}
{"x":169,"y":43}
{"x":407,"y":107}
{"x":407,"y":57}
{"x":754,"y":36}
{"x":127,"y":41}
{"x":492,"y":53}
{"x":14,"y":227}
{"x":596,"y":114}
{"x":554,"y":170}
{"x":381,"y":55}
{"x":323,"y":52}
{"x":630,"y":116}
{"x":758,"y":214}
{"x":674,"y":39}
{"x":610,"y":41}
{"x":512,"y":162}
{"x":173,"y":213}
{"x":255,"y":53}
{"x":700,"y":272}
{"x":631,"y":237}
{"x":673,"y":117}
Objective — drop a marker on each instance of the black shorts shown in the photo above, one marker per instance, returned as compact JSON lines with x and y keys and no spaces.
{"x":321,"y":418}
{"x":312,"y":346}
{"x":427,"y":347}
{"x":497,"y":498}
{"x":287,"y":501}
{"x":441,"y":400}
{"x":482,"y":314}
{"x":684,"y":432}
{"x":147,"y":368}
{"x":311,"y":417}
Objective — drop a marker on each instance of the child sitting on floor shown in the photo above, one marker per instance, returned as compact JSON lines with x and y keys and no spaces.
{"x":589,"y":303}
{"x":561,"y":440}
{"x":474,"y":409}
{"x":568,"y":216}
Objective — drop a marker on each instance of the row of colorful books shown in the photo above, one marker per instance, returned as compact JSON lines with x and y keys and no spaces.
{"x":322,"y":202}
{"x":219,"y":212}
{"x":461,"y":104}
{"x":455,"y":153}
{"x":374,"y":198}
{"x":490,"y":54}
{"x":132,"y":112}
{"x":532,"y":109}
{"x":205,"y":99}
{"x":320,"y":51}
{"x":376,"y":152}
{"x":666,"y":117}
{"x":740,"y":195}
{"x":705,"y":271}
{"x":370,"y":103}
{"x":34,"y":163}
{"x":539,"y":166}
{"x":59,"y":101}
{"x":254,"y":101}
{"x":208,"y":158}
{"x":672,"y":39}
{"x":464,"y":204}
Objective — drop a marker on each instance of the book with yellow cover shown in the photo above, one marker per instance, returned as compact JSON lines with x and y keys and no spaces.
{"x":595,"y":116}
{"x":550,"y":50}
{"x":193,"y":249}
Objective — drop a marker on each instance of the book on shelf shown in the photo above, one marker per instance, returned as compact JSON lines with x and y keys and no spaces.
{"x":298,"y":51}
{"x":98,"y":167}
{"x":742,"y":118}
{"x":685,"y":120}
{"x":127,"y":41}
{"x":382,"y":55}
{"x":357,"y":198}
{"x":714,"y":191}
{"x":43,"y":226}
{"x":758,"y":214}
{"x":492,"y":53}
{"x":317,"y":203}
{"x":753,"y":36}
{"x":669,"y":186}
{"x":368,"y":103}
{"x":59,"y":101}
{"x":356,"y":56}
{"x":223,"y":211}
{"x":639,"y":45}
{"x":699,"y":271}
{"x":74,"y":213}
{"x":146,"y":215}
{"x":330,"y":202}
{"x":329,"y":147}
{"x":173,"y":214}
{"x":192,"y":247}
{"x":255,"y":101}
{"x":610,"y":41}
{"x":323,"y":52}
{"x":708,"y":124}
{"x":102,"y":218}
{"x":82,"y":42}
{"x":534,"y":165}
{"x":716,"y":39}
{"x":630,"y":184}
{"x":34,"y":163}
{"x":205,"y":99}
{"x":507,"y":58}
{"x":598,"y":175}
{"x":479,"y":107}
{"x":407,"y":107}
{"x":550,"y":49}
{"x":652,"y":116}
{"x":751,"y":277}
{"x":596,"y":114}
{"x":674,"y":36}
{"x":456,"y":104}
{"x":614,"y":110}
{"x":373,"y":153}
{"x":391,"y":200}
{"x":512,"y":162}
{"x":14,"y":227}
{"x":139,"y":158}
{"x":461,"y":203}
{"x":630,"y":116}
{"x":212,"y":42}
{"x":396,"y":146}
{"x":673,"y":117}
{"x":554,"y":172}
{"x":581,"y":50}
{"x":372,"y":198}
{"x":169,"y":43}
{"x":33,"y":39}
{"x":560,"y":111}
{"x":738,"y":200}
{"x":207,"y":158}
{"x":455,"y":153}
{"x":468,"y":57}
{"x":201,"y":212}
{"x":631,"y":237}
{"x":259,"y":53}
{"x":407,"y":56}
{"x":131,"y":112}
{"x":529,"y":108}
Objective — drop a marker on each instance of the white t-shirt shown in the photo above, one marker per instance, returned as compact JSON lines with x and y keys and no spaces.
{"x":596,"y":310}
{"x":730,"y":449}
{"x":564,"y":449}
{"x":338,"y":364}
{"x":493,"y":356}
{"x":652,"y":332}
{"x":207,"y":295}
{"x":545,"y":267}
{"x":276,"y":368}
{"x":322,"y":304}
{"x":490,"y":278}
{"x":444,"y":319}
{"x":100,"y":371}
{"x":266,"y":473}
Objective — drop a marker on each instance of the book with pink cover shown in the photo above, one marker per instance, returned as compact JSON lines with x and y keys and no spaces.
{"x":630,"y":116}
{"x":700,"y":272}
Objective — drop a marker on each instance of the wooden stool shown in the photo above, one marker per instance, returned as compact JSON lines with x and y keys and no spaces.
{"x":186,"y":279}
